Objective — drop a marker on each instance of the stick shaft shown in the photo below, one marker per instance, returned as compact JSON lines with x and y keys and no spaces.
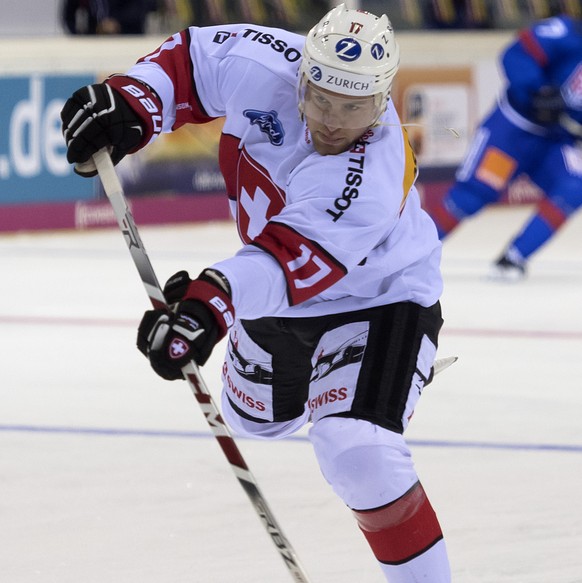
{"x":114,"y":191}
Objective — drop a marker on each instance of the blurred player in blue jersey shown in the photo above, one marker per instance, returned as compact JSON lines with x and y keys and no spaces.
{"x":536,"y":129}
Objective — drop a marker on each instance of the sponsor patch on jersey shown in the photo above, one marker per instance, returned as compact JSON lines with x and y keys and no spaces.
{"x":572,"y":90}
{"x":222,"y":36}
{"x":348,"y":49}
{"x":269,"y":123}
{"x":353,"y":180}
{"x":262,"y":37}
{"x":496,"y":168}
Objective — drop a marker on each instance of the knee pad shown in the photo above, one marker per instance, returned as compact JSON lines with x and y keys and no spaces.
{"x":366,"y":465}
{"x":260,"y":430}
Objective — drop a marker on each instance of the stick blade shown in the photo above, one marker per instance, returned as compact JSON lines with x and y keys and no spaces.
{"x":441,"y":364}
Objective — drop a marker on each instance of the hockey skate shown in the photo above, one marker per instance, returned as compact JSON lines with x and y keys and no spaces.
{"x":505,"y":269}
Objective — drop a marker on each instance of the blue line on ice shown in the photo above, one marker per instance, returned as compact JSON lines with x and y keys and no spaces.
{"x":123,"y":432}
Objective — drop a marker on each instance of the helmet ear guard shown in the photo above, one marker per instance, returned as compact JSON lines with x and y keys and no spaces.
{"x":351,"y":52}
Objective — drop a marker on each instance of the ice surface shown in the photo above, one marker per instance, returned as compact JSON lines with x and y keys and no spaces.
{"x":108,"y":474}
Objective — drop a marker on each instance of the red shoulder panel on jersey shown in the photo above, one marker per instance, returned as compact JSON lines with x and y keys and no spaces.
{"x":308,"y":268}
{"x":174,"y":57}
{"x":533,"y":48}
{"x":228,"y":155}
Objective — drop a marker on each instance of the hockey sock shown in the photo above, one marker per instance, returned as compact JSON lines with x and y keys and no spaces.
{"x":371,"y":469}
{"x":402,"y":530}
{"x":432,"y":566}
{"x":540,"y":229}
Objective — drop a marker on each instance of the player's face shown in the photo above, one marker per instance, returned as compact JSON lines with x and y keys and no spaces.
{"x":336,"y":121}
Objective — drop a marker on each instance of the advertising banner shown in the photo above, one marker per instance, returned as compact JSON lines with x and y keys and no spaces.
{"x":33,"y":163}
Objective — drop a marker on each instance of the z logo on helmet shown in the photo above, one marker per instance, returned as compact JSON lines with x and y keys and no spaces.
{"x":377,"y":51}
{"x":348,"y":49}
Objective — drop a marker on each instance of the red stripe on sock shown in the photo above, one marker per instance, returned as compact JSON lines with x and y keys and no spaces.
{"x":401,"y":530}
{"x":554,"y":216}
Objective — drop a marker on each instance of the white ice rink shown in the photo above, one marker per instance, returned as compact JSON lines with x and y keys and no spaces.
{"x":109,"y":474}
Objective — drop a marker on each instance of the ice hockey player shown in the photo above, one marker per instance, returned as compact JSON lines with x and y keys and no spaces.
{"x":535,"y":129}
{"x":331,"y":305}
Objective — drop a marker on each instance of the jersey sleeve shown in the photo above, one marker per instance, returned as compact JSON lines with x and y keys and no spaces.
{"x":192,"y":75}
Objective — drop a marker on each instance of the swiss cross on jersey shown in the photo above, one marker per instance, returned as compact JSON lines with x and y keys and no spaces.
{"x":308,"y":269}
{"x":259,"y":198}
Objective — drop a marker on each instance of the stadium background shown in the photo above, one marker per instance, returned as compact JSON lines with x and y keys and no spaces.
{"x":449,"y":78}
{"x":109,"y":474}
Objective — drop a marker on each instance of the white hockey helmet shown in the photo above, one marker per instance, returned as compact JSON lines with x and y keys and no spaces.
{"x":350,"y":52}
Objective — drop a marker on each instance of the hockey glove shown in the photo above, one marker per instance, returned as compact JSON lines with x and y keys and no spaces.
{"x":121,"y":113}
{"x":202,"y":317}
{"x":547,"y":105}
{"x":176,"y":287}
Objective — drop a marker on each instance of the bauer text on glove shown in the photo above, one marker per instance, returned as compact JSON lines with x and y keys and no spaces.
{"x":121,"y":114}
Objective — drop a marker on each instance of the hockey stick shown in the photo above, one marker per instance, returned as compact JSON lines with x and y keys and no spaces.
{"x":114,"y":191}
{"x":441,"y":364}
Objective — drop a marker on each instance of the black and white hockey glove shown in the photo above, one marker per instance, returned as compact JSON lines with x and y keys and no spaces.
{"x":201,"y":315}
{"x":121,"y":113}
{"x":547,"y":105}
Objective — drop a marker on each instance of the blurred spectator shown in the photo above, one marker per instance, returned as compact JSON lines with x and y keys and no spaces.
{"x":80,"y":17}
{"x":458,"y":14}
{"x":470,"y":14}
{"x":106,"y":16}
{"x":291,"y":14}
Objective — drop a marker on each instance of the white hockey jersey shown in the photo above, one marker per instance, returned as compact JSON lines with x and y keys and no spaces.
{"x":321,"y":234}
